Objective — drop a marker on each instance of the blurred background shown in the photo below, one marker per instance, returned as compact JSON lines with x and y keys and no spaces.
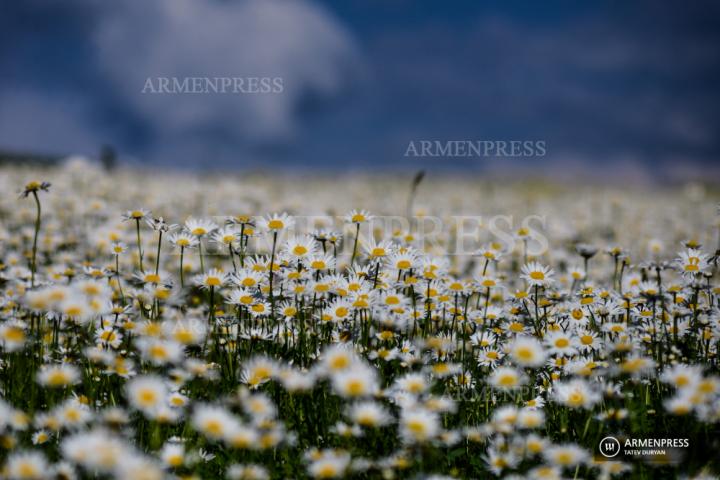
{"x":618,"y":91}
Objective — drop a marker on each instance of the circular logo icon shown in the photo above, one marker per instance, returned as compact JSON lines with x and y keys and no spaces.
{"x":609,"y":447}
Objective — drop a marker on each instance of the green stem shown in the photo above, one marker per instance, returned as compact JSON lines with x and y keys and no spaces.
{"x":272,"y":263}
{"x":33,"y":268}
{"x":357,"y":235}
{"x":157,"y":260}
{"x":182,"y":274}
{"x":139,"y":247}
{"x":202,"y":263}
{"x":117,"y":275}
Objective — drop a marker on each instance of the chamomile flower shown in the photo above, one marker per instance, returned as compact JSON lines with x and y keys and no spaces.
{"x":369,"y":414}
{"x":358,"y":216}
{"x":560,"y":343}
{"x":566,"y":455}
{"x":225,"y":236}
{"x":275,"y":222}
{"x":355,"y":382}
{"x":692,"y":262}
{"x":526,"y":351}
{"x":300,"y":248}
{"x":537,"y":275}
{"x":159,"y":351}
{"x":199,"y":227}
{"x":183,"y":240}
{"x":257,"y":371}
{"x":576,"y":393}
{"x":418,"y":425}
{"x":55,"y":376}
{"x":147,"y":393}
{"x":212,"y":421}
{"x":506,"y":378}
{"x":329,"y":464}
{"x":173,"y":454}
{"x":12,"y":335}
{"x":137,"y":214}
{"x":336,"y":359}
{"x":213,"y":278}
{"x":26,"y":465}
{"x":682,"y":376}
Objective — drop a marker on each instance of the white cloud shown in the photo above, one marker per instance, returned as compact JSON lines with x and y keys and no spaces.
{"x":296,"y":40}
{"x":291,"y":39}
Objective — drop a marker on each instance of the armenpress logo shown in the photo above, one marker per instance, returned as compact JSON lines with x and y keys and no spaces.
{"x":609,"y":447}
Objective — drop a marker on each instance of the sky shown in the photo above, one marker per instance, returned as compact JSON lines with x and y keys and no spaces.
{"x":615,"y":89}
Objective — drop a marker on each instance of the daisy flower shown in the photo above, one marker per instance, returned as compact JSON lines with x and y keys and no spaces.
{"x":137,"y":214}
{"x":537,"y":275}
{"x":566,"y":455}
{"x":275,"y":222}
{"x":146,"y":393}
{"x":225,"y":235}
{"x":299,"y":248}
{"x":526,"y":351}
{"x":257,"y":371}
{"x":358,"y":216}
{"x":214,"y":278}
{"x":55,"y":376}
{"x":418,"y":425}
{"x":211,"y":421}
{"x":329,"y":464}
{"x":200,"y":227}
{"x":506,"y":378}
{"x":682,"y":376}
{"x":560,"y":343}
{"x":369,"y":414}
{"x":693,"y":262}
{"x":183,"y":239}
{"x":357,"y":381}
{"x":26,"y":465}
{"x":576,"y":394}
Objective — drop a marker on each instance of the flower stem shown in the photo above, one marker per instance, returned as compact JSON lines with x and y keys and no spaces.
{"x":202,"y":263}
{"x":157,"y":260}
{"x":272,"y":262}
{"x":139,"y":246}
{"x":33,"y":265}
{"x":357,"y":235}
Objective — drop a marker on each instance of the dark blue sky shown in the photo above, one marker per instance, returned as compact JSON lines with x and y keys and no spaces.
{"x":617,"y":88}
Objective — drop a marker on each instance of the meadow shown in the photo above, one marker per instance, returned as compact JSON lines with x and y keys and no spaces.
{"x":178,"y":325}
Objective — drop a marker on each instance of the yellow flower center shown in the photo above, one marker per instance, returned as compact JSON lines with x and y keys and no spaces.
{"x":147,"y":398}
{"x":524,"y":353}
{"x":575,"y":399}
{"x":355,"y":387}
{"x":403,"y":265}
{"x":507,"y":380}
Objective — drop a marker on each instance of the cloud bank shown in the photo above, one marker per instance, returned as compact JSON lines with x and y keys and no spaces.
{"x":129,"y":42}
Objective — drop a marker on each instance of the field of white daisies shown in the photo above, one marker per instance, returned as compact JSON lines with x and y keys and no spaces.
{"x":165,"y":325}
